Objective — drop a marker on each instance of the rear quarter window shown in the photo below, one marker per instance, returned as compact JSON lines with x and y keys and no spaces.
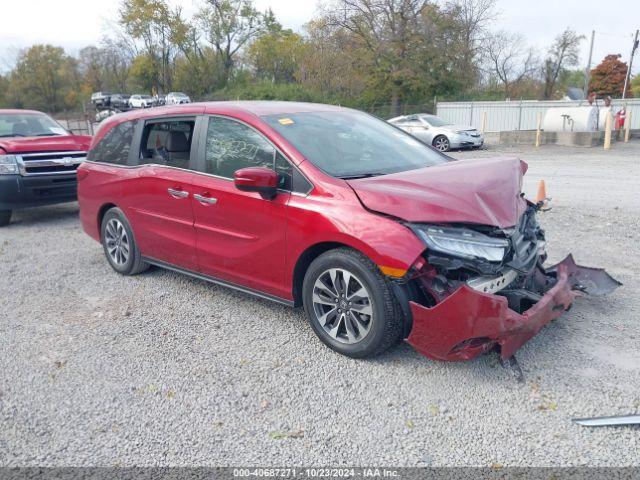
{"x":115,"y":146}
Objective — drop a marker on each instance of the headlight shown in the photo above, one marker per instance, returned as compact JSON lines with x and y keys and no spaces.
{"x":461,"y":132}
{"x":462,"y":242}
{"x":8,"y":165}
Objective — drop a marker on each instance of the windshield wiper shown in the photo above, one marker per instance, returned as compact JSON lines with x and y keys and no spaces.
{"x":47,"y":135}
{"x":361,"y":175}
{"x":12,"y":135}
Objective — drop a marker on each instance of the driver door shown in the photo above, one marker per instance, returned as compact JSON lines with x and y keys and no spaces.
{"x":240,"y":236}
{"x":418,"y":128}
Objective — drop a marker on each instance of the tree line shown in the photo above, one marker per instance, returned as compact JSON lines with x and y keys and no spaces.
{"x":361,"y":53}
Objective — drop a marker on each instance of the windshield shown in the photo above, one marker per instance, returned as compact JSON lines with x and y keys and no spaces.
{"x":29,"y":125}
{"x":435,"y":121}
{"x":351,"y":144}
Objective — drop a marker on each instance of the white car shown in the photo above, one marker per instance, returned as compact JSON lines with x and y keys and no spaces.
{"x":176,"y":98}
{"x":141,"y":101}
{"x":439,"y":133}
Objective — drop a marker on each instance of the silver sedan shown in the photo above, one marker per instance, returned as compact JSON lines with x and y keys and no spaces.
{"x":439,"y":133}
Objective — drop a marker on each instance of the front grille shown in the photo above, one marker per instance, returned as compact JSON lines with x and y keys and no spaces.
{"x":50,"y":163}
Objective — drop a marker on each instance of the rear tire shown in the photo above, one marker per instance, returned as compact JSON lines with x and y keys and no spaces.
{"x":346,"y":281}
{"x":119,"y":244}
{"x":5,"y":217}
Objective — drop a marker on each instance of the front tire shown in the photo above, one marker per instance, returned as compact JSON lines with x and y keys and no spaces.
{"x":441,"y":143}
{"x":350,"y":304}
{"x":119,"y":244}
{"x":5,"y":217}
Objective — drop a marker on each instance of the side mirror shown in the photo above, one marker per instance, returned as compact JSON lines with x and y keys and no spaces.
{"x":257,"y":179}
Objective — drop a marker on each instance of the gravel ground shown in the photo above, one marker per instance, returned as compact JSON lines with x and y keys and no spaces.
{"x":160,"y":369}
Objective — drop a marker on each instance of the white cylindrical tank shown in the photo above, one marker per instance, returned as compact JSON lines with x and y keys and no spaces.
{"x":571,"y":119}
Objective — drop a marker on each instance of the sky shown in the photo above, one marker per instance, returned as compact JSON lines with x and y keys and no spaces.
{"x":74,"y":24}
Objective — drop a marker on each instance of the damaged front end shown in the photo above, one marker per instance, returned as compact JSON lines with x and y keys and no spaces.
{"x":486,"y":288}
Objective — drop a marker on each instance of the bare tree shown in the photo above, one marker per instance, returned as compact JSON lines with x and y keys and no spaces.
{"x":509,"y":60}
{"x":473,"y":18}
{"x":564,"y":52}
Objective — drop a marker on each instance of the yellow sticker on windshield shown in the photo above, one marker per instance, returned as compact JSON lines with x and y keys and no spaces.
{"x":286,"y":121}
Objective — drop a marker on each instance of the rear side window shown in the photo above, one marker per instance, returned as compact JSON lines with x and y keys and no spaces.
{"x":167,"y":143}
{"x":115,"y":145}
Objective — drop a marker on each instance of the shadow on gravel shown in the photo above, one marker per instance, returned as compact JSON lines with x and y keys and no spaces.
{"x":42,"y":216}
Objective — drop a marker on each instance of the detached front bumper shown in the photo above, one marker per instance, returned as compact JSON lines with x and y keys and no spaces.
{"x":468,"y":323}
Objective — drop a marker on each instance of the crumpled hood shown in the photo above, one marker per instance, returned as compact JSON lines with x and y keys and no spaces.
{"x":480,"y":191}
{"x":62,"y":143}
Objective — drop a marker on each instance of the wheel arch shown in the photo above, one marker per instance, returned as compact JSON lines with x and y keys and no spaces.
{"x":304,"y":260}
{"x":102,"y":211}
{"x":433,"y":141}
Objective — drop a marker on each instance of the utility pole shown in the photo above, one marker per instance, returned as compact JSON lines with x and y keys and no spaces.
{"x":588,"y":69}
{"x":626,"y":79}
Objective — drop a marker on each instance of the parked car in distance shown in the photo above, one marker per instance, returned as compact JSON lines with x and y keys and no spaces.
{"x":101,"y":99}
{"x":141,"y":101}
{"x":38,"y":161}
{"x":104,"y":113}
{"x":378,"y":236}
{"x":177,"y":98}
{"x":120,"y":101}
{"x":439,"y":133}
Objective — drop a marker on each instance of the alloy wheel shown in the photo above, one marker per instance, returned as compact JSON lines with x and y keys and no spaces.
{"x":442,"y":144}
{"x":117,"y":241}
{"x":342,"y":305}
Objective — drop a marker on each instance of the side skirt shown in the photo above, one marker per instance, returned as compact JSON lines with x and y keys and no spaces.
{"x":217,"y":281}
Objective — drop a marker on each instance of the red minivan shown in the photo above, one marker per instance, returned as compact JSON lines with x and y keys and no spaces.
{"x":379,"y":236}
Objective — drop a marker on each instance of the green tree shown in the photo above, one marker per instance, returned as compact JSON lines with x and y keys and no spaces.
{"x":45,"y":78}
{"x":635,"y":85}
{"x":276,"y":55}
{"x":143,"y":75}
{"x":389,"y":38}
{"x":608,"y":77}
{"x":4,"y":85}
{"x":198,"y":70}
{"x":151,"y":22}
{"x":230,"y":25}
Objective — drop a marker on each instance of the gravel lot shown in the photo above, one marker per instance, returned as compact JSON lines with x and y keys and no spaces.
{"x":160,"y":369}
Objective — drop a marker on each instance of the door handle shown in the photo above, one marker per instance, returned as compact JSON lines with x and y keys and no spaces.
{"x":205,"y":200}
{"x":177,"y":193}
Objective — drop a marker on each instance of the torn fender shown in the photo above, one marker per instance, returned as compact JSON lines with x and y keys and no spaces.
{"x":468,"y":323}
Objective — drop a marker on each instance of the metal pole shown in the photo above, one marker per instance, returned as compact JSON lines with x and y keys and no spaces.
{"x":588,"y":69}
{"x":520,"y":115}
{"x":626,"y":78}
{"x":607,"y":131}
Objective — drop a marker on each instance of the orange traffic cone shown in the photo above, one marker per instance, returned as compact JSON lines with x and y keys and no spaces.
{"x":541,"y":198}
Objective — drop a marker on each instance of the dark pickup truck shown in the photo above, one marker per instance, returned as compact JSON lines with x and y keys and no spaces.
{"x":38,"y":161}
